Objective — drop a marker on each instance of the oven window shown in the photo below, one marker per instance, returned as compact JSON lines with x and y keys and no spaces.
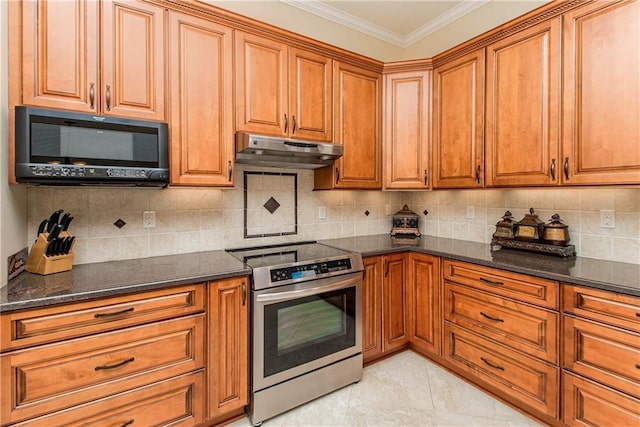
{"x":306,"y":329}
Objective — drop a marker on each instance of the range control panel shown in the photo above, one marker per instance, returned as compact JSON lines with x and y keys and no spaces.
{"x":309,"y":270}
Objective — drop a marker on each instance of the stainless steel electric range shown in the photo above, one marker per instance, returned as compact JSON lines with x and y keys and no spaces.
{"x":306,"y":325}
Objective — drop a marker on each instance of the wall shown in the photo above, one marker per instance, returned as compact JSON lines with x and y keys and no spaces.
{"x":13,"y":206}
{"x":190,"y":220}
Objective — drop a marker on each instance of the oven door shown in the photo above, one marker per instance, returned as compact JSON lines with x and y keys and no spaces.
{"x":301,"y":327}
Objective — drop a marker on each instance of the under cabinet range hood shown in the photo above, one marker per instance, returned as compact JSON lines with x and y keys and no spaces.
{"x":284,"y":153}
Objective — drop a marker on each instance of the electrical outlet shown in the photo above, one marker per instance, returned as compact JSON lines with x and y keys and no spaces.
{"x":322,"y":212}
{"x":608,"y":219}
{"x":471,"y":213}
{"x":148,"y":219}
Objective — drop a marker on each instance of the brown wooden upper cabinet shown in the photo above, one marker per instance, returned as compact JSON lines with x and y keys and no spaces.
{"x":282,"y":90}
{"x":522,"y":108}
{"x":601,"y":111}
{"x":201,"y":92}
{"x":358,"y":128}
{"x":98,"y":57}
{"x":406,"y":130}
{"x":458,"y":122}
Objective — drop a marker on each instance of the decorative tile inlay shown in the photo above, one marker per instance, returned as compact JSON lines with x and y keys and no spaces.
{"x":272,"y":205}
{"x":119,"y":223}
{"x":275,"y":193}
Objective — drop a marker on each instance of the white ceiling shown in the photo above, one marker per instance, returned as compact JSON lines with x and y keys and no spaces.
{"x":399,"y":22}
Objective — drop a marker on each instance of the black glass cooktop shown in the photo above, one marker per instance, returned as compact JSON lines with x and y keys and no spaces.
{"x":266,"y":256}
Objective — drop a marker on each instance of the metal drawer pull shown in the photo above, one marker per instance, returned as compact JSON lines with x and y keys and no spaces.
{"x":491,"y":282}
{"x":637,"y":365}
{"x":127,"y":423}
{"x":638,"y":314}
{"x":495,"y":319}
{"x":117,"y":365}
{"x":115,"y":313}
{"x":491,"y":364}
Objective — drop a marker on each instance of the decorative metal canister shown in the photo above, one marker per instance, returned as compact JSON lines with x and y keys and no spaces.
{"x":504,"y":227}
{"x":405,"y":222}
{"x":529,"y":228}
{"x":556,"y":232}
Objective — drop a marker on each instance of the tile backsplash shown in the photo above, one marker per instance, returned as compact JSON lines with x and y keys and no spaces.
{"x":202,"y":219}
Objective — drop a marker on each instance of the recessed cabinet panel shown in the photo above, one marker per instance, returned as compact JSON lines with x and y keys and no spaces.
{"x":522,"y":111}
{"x":458,"y":122}
{"x":201,"y":102}
{"x":372,"y":308}
{"x":406,"y":130}
{"x":601,"y":115}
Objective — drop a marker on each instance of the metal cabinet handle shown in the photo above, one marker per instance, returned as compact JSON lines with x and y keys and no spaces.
{"x":638,"y":314}
{"x":107,"y":98}
{"x":637,"y":365}
{"x":566,"y":168}
{"x":552,"y":169}
{"x":115,"y":313}
{"x":337,"y":175}
{"x":492,"y":364}
{"x":295,"y":126}
{"x":230,"y":171}
{"x":92,"y":95}
{"x":491,"y":282}
{"x":495,"y":319}
{"x":478,"y":174}
{"x":386,"y":268}
{"x":286,"y":123}
{"x":426,"y":176}
{"x":117,"y":365}
{"x":127,"y":423}
{"x":244,"y":293}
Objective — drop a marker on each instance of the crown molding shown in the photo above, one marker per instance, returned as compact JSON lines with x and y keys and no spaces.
{"x":331,"y":13}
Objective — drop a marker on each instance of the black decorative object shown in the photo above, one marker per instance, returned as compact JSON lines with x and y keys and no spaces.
{"x":271,"y":205}
{"x":405,"y":223}
{"x":119,"y":223}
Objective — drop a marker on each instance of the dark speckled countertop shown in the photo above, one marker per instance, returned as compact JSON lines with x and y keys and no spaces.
{"x":106,"y":279}
{"x":89,"y":281}
{"x":612,"y":276}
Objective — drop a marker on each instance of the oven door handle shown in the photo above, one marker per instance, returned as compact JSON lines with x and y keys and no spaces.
{"x":300,"y":293}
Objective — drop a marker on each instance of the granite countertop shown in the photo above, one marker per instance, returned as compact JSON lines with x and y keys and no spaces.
{"x":89,"y":281}
{"x":609,"y":275}
{"x":107,"y":279}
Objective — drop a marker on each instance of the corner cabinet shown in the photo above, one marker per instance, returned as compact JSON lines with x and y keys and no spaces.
{"x":423,"y":303}
{"x":282,"y":90}
{"x":228,"y":348}
{"x":201,"y":92}
{"x":523,"y":107}
{"x":98,"y":57}
{"x":458,"y":122}
{"x":601,"y":111}
{"x":358,"y":128}
{"x":406,"y":130}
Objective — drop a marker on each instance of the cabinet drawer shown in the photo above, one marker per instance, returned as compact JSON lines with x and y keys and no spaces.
{"x":33,"y":327}
{"x":608,"y":307}
{"x":586,"y":403}
{"x":177,"y":401}
{"x":56,"y":376}
{"x":608,"y":355}
{"x":513,"y":285}
{"x":528,"y":380}
{"x":524,"y":327}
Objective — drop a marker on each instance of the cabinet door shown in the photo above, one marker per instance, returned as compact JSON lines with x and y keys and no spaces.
{"x":310,"y":96}
{"x":394,"y":310}
{"x":601,"y":99}
{"x":357,"y":103}
{"x":133,"y":59}
{"x":423,"y":278}
{"x":261,"y":85}
{"x":522,"y":111}
{"x":406,"y":130}
{"x":458,"y":122}
{"x":200,"y":55}
{"x":372,"y":308}
{"x":60,"y":54}
{"x":228,"y":356}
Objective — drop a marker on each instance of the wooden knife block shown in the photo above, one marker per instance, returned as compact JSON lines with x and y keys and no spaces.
{"x":39,"y":263}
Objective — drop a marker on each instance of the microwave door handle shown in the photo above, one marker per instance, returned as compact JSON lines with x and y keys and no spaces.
{"x":301,"y":293}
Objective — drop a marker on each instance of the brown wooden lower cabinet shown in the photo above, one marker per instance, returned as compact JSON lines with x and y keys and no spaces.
{"x":178,"y":401}
{"x":423,"y":302}
{"x":587,"y":403}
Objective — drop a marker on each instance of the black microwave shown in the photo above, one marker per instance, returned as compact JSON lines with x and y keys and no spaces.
{"x":55,"y":147}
